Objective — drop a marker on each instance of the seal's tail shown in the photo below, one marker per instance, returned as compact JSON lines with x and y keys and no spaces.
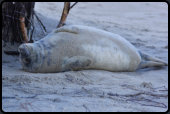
{"x":148,"y":61}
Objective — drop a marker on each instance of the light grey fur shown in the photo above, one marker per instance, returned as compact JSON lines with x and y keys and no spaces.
{"x":76,"y":47}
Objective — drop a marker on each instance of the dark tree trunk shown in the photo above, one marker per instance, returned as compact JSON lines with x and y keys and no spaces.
{"x":17,"y":19}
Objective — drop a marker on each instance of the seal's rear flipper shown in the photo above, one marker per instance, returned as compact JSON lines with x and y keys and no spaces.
{"x":76,"y":63}
{"x":148,"y":61}
{"x":145,"y":64}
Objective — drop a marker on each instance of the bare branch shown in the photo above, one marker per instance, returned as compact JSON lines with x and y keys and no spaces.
{"x":40,"y":22}
{"x":73,"y":5}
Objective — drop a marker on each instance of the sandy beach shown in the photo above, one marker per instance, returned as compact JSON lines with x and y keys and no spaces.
{"x":144,"y":24}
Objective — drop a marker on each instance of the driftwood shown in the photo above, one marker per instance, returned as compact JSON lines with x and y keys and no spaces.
{"x":65,"y":13}
{"x":16,"y":21}
{"x":23,"y":29}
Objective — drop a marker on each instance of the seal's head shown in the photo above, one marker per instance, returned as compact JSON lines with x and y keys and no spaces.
{"x":28,"y":57}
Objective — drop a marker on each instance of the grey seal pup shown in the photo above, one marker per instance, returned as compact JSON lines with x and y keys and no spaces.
{"x":77,"y":47}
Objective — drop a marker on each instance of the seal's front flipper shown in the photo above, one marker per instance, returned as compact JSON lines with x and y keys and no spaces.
{"x":70,"y":29}
{"x":76,"y":63}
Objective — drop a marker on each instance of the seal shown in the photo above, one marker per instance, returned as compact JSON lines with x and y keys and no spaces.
{"x":77,"y":47}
